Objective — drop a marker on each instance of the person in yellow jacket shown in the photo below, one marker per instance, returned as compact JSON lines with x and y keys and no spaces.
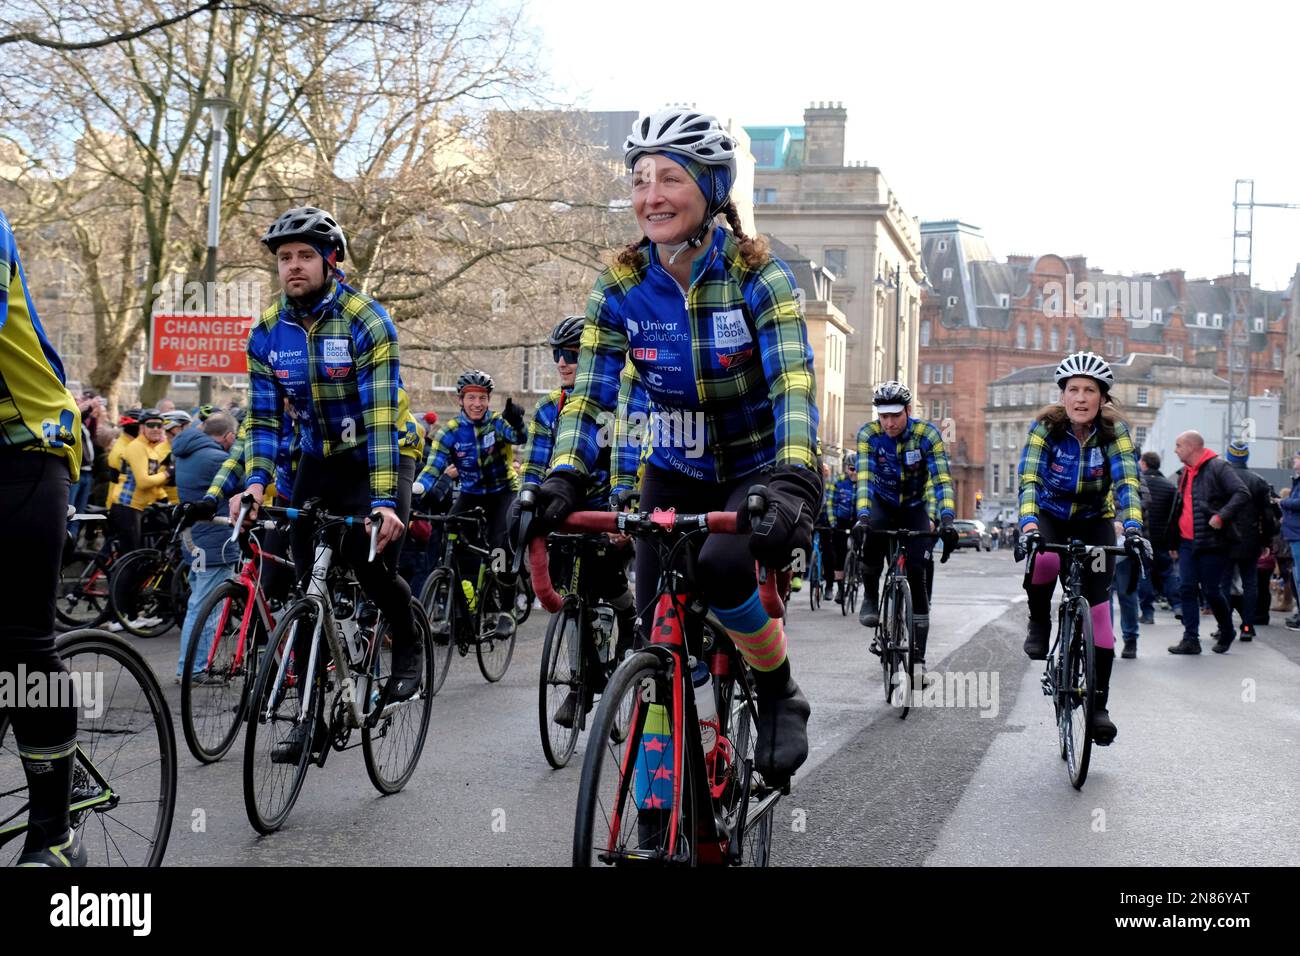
{"x":144,"y":477}
{"x":130,"y":425}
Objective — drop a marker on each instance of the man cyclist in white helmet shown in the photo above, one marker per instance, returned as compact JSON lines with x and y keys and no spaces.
{"x":898,"y":457}
{"x":1077,"y":459}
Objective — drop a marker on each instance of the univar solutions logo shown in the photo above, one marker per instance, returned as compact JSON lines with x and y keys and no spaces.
{"x":77,"y":909}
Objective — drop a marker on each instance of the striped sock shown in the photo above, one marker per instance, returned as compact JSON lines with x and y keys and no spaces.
{"x":759,"y":638}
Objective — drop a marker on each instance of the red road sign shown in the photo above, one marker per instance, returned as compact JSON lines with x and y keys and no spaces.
{"x":199,"y":344}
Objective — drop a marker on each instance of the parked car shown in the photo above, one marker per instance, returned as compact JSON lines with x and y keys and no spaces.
{"x":972,"y":534}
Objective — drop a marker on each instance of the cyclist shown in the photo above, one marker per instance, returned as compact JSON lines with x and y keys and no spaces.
{"x":611,"y":576}
{"x":40,"y":456}
{"x":174,"y":423}
{"x":477,"y":442}
{"x":840,"y":503}
{"x":898,"y":455}
{"x":333,"y":353}
{"x":716,"y":337}
{"x":1077,"y":459}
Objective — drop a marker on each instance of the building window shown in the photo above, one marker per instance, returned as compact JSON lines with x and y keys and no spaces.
{"x":1119,"y":347}
{"x":764,"y":151}
{"x":925,"y":374}
{"x":1055,"y":338}
{"x":835,"y":261}
{"x":997,"y":479}
{"x":1277,"y":356}
{"x":1013,"y":395}
{"x":1143,"y":396}
{"x":1038,"y":338}
{"x":1259,"y":323}
{"x":947,"y":408}
{"x":947,"y":274}
{"x":997,"y":436}
{"x":1218,"y":320}
{"x":943,"y":245}
{"x":1069,"y":340}
{"x":925,"y":329}
{"x":1200,"y":319}
{"x":952,"y":301}
{"x":443,"y":381}
{"x":1178,"y":351}
{"x":949,"y":378}
{"x":1004,"y":301}
{"x":1140,"y":433}
{"x":1022,"y":336}
{"x":997,"y":398}
{"x":1157,"y":317}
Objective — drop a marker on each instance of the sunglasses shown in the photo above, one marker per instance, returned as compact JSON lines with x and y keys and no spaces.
{"x":569,"y":355}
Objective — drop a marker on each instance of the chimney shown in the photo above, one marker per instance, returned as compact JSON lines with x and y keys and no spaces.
{"x":1079,"y":266}
{"x":1178,"y":279}
{"x":823,"y":125}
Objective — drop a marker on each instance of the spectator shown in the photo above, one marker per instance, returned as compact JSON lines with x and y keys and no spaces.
{"x":1157,"y":502}
{"x":1128,"y":600}
{"x":1254,"y":528}
{"x":80,"y":493}
{"x":166,"y":405}
{"x":1291,"y":533}
{"x":1209,"y":499}
{"x":199,"y":453}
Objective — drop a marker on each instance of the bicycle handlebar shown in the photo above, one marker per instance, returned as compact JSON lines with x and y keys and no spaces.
{"x":1078,"y":550}
{"x":639,"y":524}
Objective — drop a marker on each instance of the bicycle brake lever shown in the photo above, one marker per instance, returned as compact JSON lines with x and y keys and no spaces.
{"x":376,"y":521}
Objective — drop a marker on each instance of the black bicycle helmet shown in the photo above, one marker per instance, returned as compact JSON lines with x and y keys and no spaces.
{"x":307,"y":224}
{"x":891,"y":397}
{"x":567,"y":332}
{"x":474,"y":379}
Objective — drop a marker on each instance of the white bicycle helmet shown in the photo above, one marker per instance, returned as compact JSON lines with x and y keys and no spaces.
{"x":891,"y":397}
{"x":697,"y":135}
{"x":1087,"y":364}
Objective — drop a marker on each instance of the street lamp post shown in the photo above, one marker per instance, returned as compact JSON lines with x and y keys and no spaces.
{"x":895,"y":282}
{"x":220,"y":107}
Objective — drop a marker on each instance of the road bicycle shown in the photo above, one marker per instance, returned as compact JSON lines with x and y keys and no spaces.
{"x":660,"y":784}
{"x":149,"y":589}
{"x":330,"y":645}
{"x":894,"y":630}
{"x":816,"y":578}
{"x":1070,"y":675}
{"x":216,"y":688}
{"x":124,"y":778}
{"x":465,"y":614}
{"x":852,"y":580}
{"x":84,"y":598}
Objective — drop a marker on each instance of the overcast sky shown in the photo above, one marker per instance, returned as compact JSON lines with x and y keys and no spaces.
{"x":1112,"y":130}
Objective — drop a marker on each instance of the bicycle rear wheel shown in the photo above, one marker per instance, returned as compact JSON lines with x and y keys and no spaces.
{"x":83,"y":591}
{"x":141,"y":589}
{"x":215,"y":689}
{"x":392,"y":747}
{"x":1080,"y":697}
{"x":624,"y":799}
{"x":124,"y":780}
{"x":271,"y":788}
{"x":851,"y":583}
{"x":563,"y":674}
{"x":494,"y":653}
{"x":437,"y":598}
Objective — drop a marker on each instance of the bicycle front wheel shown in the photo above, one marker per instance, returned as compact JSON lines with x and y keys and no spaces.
{"x":901,"y":649}
{"x":494,"y":652}
{"x":124,"y":779}
{"x":141,"y":589}
{"x":273,"y":775}
{"x":215,"y":688}
{"x":523,"y":597}
{"x":437,"y":598}
{"x":1080,"y":696}
{"x":625,"y":810}
{"x":756,"y":835}
{"x":563,"y":677}
{"x":392,"y":747}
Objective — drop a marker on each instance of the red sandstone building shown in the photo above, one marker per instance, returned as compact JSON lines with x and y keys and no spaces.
{"x":984,"y":319}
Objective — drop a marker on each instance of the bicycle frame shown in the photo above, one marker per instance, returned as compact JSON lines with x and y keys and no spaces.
{"x":82,"y":801}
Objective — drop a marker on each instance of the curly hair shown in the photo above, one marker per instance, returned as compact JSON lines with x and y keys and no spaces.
{"x":754,"y":250}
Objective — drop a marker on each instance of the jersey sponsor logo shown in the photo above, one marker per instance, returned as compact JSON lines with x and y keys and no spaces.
{"x":338,"y":371}
{"x":657,"y":331}
{"x":912,"y":457}
{"x":653,"y":379}
{"x":646,"y":355}
{"x":730,"y":330}
{"x":735,"y":358}
{"x":489,"y":440}
{"x":281,"y":373}
{"x":1095,"y":459}
{"x":336,"y":352}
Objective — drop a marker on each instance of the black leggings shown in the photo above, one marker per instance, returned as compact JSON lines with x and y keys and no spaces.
{"x":1096,"y":584}
{"x":918,"y":552}
{"x":723,"y":561}
{"x":342,"y":484}
{"x":33,"y":527}
{"x":497,"y":508}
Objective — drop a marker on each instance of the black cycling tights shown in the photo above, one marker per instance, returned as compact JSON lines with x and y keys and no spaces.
{"x":918,"y":552}
{"x":724,"y":568}
{"x":342,"y":484}
{"x":33,"y":527}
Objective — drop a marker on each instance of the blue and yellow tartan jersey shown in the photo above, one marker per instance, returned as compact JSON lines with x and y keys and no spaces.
{"x":342,"y":378}
{"x":480,"y":451}
{"x":231,"y":473}
{"x":840,"y":499}
{"x":1067,"y":479}
{"x":725,"y":365}
{"x":895,"y":472}
{"x":541,"y":442}
{"x":630,"y":450}
{"x":410,"y":436}
{"x":37,"y":412}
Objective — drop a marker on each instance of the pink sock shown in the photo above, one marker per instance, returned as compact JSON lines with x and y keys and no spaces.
{"x":1102,"y":634}
{"x":1046,"y":567}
